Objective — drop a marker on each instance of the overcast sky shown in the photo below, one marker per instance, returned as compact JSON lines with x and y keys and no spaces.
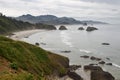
{"x":106,"y":10}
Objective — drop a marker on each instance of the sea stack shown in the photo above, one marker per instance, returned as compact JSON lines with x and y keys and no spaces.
{"x":62,"y":28}
{"x":80,"y":28}
{"x":91,"y":29}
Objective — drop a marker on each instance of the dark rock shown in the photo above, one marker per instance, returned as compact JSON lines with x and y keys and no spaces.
{"x":37,"y":44}
{"x":90,"y":67}
{"x":43,"y":43}
{"x":91,"y":28}
{"x":62,"y":28}
{"x":109,"y":64}
{"x":74,"y":76}
{"x":108,"y":58}
{"x":95,"y":58}
{"x":102,"y":62}
{"x":105,"y":44}
{"x":85,"y":56}
{"x":97,"y":73}
{"x":101,"y":75}
{"x":74,"y":67}
{"x":65,"y":51}
{"x":93,"y":64}
{"x":80,"y":28}
{"x":98,"y":59}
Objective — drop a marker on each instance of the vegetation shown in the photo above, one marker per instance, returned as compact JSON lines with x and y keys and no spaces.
{"x":8,"y":25}
{"x":14,"y":66}
{"x":29,"y":61}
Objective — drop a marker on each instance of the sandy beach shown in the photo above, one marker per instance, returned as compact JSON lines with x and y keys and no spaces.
{"x":22,"y":34}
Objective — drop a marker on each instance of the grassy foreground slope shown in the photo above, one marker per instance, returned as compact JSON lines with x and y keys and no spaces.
{"x":23,"y":61}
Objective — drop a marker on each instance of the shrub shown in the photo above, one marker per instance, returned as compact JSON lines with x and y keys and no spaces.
{"x":14,"y":66}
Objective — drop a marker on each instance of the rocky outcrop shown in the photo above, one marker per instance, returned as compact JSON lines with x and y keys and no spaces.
{"x":74,"y":76}
{"x":91,"y":28}
{"x":101,"y":75}
{"x":109,"y":64}
{"x":80,"y":28}
{"x":102,"y":62}
{"x":62,"y":28}
{"x":74,"y":67}
{"x":97,"y":73}
{"x":66,"y":51}
{"x":37,"y":44}
{"x":85,"y":56}
{"x":90,"y":67}
{"x":92,"y":64}
{"x":95,"y":58}
{"x":105,"y":43}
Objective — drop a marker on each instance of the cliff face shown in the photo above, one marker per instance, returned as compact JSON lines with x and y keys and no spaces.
{"x":28,"y":62}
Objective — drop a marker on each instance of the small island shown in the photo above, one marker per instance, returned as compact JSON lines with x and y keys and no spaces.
{"x":80,"y":28}
{"x":62,"y":28}
{"x":89,"y":28}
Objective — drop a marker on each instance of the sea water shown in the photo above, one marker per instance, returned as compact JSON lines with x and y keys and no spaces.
{"x":81,"y":42}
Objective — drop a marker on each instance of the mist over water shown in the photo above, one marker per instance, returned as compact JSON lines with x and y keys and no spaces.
{"x":84,"y":43}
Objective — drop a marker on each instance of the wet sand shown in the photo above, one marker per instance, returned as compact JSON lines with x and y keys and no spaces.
{"x":24,"y":34}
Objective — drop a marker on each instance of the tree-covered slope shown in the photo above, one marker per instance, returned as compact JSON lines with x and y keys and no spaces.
{"x":29,"y":61}
{"x":8,"y":25}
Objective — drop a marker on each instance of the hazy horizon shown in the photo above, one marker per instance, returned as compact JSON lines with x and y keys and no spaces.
{"x":100,"y":10}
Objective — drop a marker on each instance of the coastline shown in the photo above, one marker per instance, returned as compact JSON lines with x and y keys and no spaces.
{"x":26,"y":33}
{"x":21,"y":34}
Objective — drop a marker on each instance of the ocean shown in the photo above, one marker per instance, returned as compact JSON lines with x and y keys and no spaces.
{"x":83,"y":43}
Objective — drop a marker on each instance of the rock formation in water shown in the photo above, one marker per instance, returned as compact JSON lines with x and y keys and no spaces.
{"x":109,"y":64}
{"x":95,"y":58}
{"x":102,"y":62}
{"x":97,"y":73}
{"x":85,"y":56}
{"x":62,"y":28}
{"x":105,"y":43}
{"x":91,"y":28}
{"x":80,"y":28}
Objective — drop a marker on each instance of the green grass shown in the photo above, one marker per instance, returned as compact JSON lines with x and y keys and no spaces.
{"x":32,"y":58}
{"x":19,"y":76}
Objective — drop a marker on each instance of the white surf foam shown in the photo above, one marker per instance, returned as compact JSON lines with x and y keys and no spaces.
{"x":116,"y":65}
{"x":65,"y":38}
{"x":85,"y":51}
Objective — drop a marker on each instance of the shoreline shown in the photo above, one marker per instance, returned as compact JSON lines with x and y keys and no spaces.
{"x":26,"y":33}
{"x":22,"y":34}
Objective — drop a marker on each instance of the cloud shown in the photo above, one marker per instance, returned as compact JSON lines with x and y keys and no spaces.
{"x":72,"y":8}
{"x":114,"y":2}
